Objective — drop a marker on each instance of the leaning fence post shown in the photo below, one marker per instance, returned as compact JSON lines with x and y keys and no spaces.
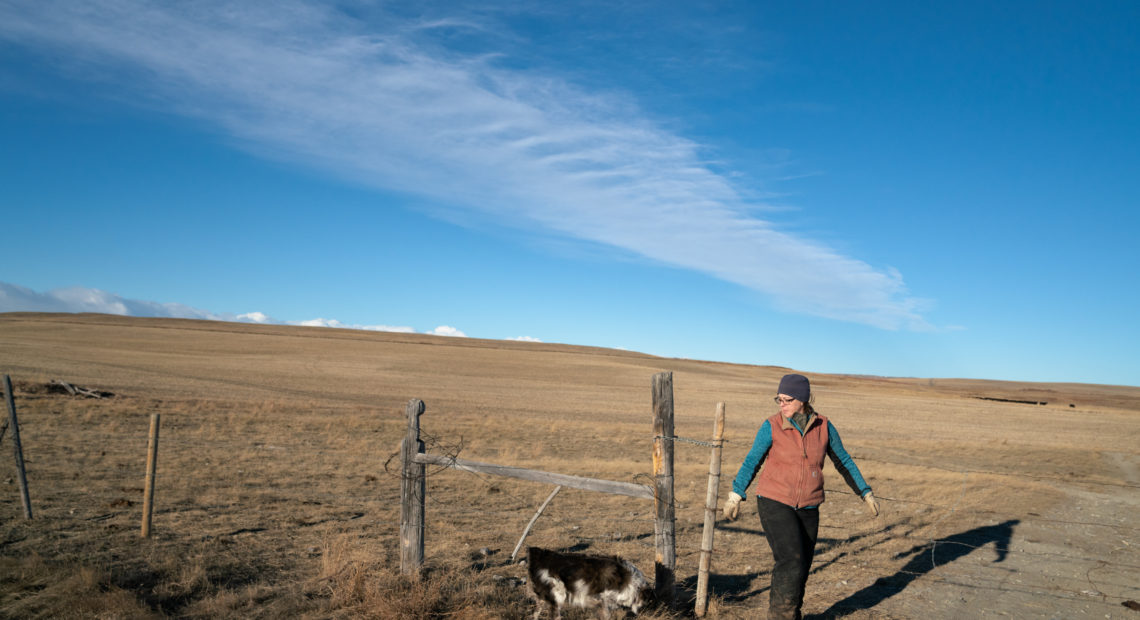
{"x":522,"y":539}
{"x":710,"y":514}
{"x":14,"y":423}
{"x":664,"y":525}
{"x":412,"y":491}
{"x":151,"y":465}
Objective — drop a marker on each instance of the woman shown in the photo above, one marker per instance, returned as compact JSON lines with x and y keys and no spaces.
{"x":791,"y":445}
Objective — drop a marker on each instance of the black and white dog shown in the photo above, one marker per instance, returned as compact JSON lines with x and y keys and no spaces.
{"x":606,"y":583}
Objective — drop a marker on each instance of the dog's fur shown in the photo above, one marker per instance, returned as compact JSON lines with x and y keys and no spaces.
{"x":605,"y":583}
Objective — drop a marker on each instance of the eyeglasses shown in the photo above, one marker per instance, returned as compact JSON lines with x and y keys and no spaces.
{"x":783,"y":401}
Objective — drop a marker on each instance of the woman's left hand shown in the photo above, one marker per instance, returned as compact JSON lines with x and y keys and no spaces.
{"x":872,"y":503}
{"x":732,"y":506}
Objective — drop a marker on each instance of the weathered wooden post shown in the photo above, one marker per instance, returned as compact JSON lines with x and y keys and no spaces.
{"x":151,"y":466}
{"x":14,"y":424}
{"x":710,"y":514}
{"x":664,"y":525}
{"x":413,"y":487}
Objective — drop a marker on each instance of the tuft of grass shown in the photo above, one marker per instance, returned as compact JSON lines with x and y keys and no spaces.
{"x":352,"y":585}
{"x":34,"y":588}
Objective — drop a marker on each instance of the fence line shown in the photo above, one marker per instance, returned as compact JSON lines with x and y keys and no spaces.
{"x":1032,"y":518}
{"x":1023,"y":518}
{"x":1036,"y":517}
{"x":525,"y":504}
{"x":692,"y":549}
{"x":1124,"y":485}
{"x":1002,"y":587}
{"x":642,"y":520}
{"x":893,"y":569}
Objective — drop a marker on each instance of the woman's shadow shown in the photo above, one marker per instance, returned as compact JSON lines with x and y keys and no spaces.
{"x":742,"y":586}
{"x":923,"y":559}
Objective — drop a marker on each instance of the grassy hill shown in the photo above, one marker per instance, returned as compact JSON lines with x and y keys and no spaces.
{"x":278,"y":494}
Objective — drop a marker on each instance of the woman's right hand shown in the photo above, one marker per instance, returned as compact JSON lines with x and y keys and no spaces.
{"x":732,"y":506}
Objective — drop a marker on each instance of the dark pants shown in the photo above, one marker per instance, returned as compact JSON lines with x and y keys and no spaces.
{"x":791,"y":534}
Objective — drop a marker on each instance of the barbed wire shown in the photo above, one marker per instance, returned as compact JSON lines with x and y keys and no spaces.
{"x":1003,"y":587}
{"x":618,"y":531}
{"x":636,"y":529}
{"x":524,"y":503}
{"x":707,"y":444}
{"x":451,"y":451}
{"x":933,"y":544}
{"x":973,"y":547}
{"x":1001,"y":473}
{"x":647,"y":479}
{"x":1036,"y":517}
{"x":894,"y":571}
{"x":433,"y":443}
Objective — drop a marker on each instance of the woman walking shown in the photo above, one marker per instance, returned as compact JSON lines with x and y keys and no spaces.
{"x":790,"y":446}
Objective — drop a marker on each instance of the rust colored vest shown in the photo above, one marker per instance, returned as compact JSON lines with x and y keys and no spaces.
{"x":793,"y":471}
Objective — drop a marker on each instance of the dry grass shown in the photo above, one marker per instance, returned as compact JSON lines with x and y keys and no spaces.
{"x":274,"y":500}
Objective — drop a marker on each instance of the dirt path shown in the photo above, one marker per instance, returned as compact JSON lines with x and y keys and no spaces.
{"x":1077,"y":560}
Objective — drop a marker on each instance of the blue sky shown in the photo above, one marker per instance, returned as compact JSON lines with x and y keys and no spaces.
{"x":873,"y":188}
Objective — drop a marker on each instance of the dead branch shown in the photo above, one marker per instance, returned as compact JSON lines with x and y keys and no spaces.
{"x":75,"y":390}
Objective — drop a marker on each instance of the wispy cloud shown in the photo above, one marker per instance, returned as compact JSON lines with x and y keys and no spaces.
{"x":15,"y":298}
{"x":255,"y":317}
{"x":385,"y":102}
{"x":447,"y":330}
{"x":371,"y":328}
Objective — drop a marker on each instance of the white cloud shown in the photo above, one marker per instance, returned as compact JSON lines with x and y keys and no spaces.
{"x":15,"y":298}
{"x":336,"y":323}
{"x":525,"y":339}
{"x":387,"y":328}
{"x":445,"y":330}
{"x":383,"y":102}
{"x":318,"y":323}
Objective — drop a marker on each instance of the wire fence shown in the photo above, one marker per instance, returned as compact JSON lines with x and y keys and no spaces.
{"x":1070,"y":480}
{"x":633,"y":522}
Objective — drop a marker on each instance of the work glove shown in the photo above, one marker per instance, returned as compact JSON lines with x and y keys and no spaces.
{"x":872,"y":503}
{"x":732,"y":506}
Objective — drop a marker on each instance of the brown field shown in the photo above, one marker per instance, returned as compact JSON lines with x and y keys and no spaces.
{"x":278,"y":495}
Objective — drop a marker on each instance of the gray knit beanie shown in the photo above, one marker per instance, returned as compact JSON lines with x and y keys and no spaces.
{"x":796,"y":386}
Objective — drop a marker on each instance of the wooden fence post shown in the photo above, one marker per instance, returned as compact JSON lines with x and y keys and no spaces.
{"x":413,"y":487}
{"x":14,"y":424}
{"x":710,"y":514}
{"x":664,"y":525}
{"x":151,"y":466}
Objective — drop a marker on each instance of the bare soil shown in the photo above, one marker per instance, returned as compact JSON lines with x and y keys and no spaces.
{"x":277,"y":490}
